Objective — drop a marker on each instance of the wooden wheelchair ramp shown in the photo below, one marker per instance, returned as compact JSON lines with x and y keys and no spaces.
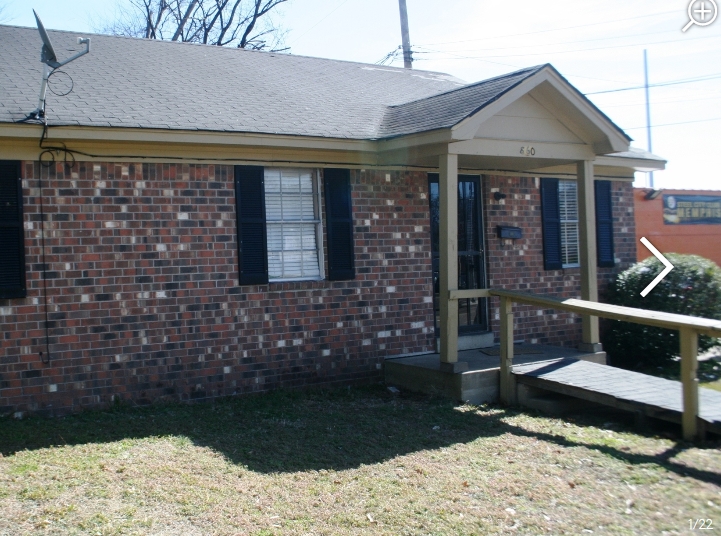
{"x":623,"y":389}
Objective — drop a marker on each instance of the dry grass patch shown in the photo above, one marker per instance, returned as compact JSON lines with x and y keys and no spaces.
{"x":346,"y":462}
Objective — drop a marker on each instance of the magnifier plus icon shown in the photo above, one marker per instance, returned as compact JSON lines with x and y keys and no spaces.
{"x":701,"y":13}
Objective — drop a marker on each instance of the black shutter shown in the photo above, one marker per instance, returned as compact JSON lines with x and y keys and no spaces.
{"x":604,"y":224}
{"x":339,"y":216}
{"x":551,"y":218}
{"x":252,"y":236}
{"x":12,"y":243}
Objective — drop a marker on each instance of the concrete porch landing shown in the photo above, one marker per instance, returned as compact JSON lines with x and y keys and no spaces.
{"x":481,"y":382}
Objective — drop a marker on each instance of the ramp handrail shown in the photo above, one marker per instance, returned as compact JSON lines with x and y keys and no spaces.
{"x":690,"y":327}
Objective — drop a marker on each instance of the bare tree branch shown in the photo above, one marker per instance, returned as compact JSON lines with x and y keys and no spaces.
{"x":240,"y":23}
{"x":4,"y":16}
{"x":188,"y":12}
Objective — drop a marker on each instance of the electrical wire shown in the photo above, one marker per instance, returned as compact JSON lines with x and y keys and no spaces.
{"x":510,"y":65}
{"x":317,"y":23}
{"x":390,"y":56}
{"x":45,"y":162}
{"x":554,"y":29}
{"x":660,"y":84}
{"x":580,"y":50}
{"x":47,"y":359}
{"x":579,"y":41}
{"x":50,"y":87}
{"x":656,"y":102}
{"x":679,"y":123}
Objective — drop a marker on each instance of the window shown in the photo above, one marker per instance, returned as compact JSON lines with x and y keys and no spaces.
{"x":559,"y":213}
{"x":568,"y":209}
{"x":12,"y":260}
{"x":293,"y":224}
{"x":279,"y":224}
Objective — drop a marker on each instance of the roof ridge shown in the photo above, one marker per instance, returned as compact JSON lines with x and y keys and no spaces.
{"x":241,"y":50}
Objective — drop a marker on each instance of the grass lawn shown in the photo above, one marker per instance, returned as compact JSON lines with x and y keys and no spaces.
{"x":357,"y":461}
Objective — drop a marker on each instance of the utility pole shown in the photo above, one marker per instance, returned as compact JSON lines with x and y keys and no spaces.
{"x":407,"y":58}
{"x":648,"y":112}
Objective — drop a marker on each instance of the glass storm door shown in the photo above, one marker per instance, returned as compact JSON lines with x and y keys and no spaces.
{"x":472,"y":313}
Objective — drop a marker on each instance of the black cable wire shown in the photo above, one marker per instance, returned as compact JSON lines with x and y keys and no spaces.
{"x":49,"y":153}
{"x":50,"y":86}
{"x":46,"y":361}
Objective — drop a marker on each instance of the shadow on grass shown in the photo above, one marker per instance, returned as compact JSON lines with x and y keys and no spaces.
{"x":301,"y":431}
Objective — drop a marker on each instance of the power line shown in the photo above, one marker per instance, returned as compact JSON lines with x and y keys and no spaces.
{"x":390,"y":56}
{"x":667,"y":101}
{"x":427,"y":51}
{"x":317,"y":23}
{"x":554,"y":29}
{"x":679,"y":123}
{"x":660,"y":84}
{"x":576,"y":50}
{"x":581,"y":41}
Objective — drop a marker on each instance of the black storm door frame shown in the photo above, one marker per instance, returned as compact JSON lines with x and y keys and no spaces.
{"x":473,"y":312}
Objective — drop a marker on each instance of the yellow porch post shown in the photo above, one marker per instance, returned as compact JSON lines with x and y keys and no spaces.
{"x":448,"y":262}
{"x":591,"y":341}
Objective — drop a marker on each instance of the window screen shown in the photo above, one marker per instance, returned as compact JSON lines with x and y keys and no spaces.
{"x":293,"y":224}
{"x":568,"y":208}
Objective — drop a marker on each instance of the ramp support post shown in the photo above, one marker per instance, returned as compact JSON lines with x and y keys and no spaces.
{"x":689,"y":380}
{"x":508,"y":384}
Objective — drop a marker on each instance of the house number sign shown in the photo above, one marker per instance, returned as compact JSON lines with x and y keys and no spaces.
{"x":528,"y":150}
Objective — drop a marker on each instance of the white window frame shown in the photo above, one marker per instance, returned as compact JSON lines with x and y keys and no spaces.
{"x":569,"y":223}
{"x":317,"y":221}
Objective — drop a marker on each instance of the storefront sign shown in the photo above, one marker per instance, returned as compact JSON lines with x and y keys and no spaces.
{"x":691,"y":209}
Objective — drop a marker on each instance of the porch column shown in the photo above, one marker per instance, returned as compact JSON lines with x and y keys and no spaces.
{"x":448,"y":262}
{"x":591,"y":341}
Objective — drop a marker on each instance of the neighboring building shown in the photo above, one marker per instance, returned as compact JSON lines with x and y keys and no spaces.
{"x":679,"y":221}
{"x":222,"y":221}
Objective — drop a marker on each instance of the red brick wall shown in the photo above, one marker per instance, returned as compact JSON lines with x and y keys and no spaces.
{"x":518,"y":265}
{"x":144,"y":301}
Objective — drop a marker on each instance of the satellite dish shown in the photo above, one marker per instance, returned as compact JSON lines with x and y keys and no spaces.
{"x":47,"y":54}
{"x":49,"y":58}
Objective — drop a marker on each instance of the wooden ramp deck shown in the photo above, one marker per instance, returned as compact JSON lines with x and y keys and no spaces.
{"x":480,"y":383}
{"x":623,"y":389}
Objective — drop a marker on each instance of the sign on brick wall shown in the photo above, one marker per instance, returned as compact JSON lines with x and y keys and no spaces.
{"x":691,"y":209}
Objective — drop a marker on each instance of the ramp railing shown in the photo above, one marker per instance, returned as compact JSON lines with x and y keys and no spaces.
{"x":689,"y":327}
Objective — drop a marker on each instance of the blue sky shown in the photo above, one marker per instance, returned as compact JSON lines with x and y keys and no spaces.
{"x":597,"y":45}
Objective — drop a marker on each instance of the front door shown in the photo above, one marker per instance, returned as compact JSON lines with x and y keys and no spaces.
{"x":473,"y":312}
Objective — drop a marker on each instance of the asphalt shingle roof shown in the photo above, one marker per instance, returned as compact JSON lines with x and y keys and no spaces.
{"x":449,"y":108}
{"x":127,"y":82}
{"x":142,"y":83}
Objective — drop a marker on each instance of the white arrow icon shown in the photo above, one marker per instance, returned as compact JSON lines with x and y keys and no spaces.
{"x":663,"y":260}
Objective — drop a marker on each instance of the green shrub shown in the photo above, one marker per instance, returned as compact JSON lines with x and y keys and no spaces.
{"x":692,"y":288}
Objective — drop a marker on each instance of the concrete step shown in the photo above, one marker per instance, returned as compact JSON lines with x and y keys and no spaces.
{"x":471,"y":341}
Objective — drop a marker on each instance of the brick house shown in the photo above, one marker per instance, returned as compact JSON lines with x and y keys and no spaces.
{"x":195,"y":221}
